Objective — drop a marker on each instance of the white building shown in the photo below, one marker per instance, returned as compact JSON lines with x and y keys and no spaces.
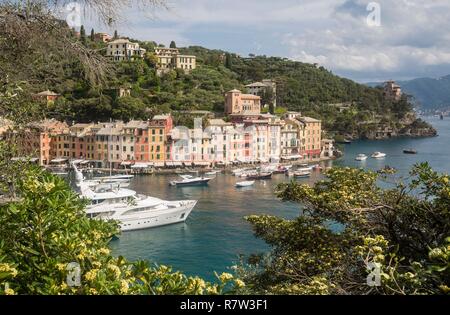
{"x":122,"y":49}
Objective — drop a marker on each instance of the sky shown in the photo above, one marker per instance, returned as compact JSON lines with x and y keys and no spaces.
{"x":359,"y":39}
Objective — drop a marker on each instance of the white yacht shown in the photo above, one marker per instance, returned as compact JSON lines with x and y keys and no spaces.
{"x":131,"y":210}
{"x":245,"y":184}
{"x":188,"y":180}
{"x":361,"y":157}
{"x":378,"y":155}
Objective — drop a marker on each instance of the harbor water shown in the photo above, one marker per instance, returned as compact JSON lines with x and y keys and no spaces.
{"x":216,"y":232}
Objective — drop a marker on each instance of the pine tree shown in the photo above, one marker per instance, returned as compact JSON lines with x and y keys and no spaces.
{"x":83,"y":35}
{"x":116,"y":36}
{"x":228,"y":61}
{"x":173,"y":44}
{"x":92,"y":35}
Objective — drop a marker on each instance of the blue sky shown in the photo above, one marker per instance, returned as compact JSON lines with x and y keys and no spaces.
{"x":412,"y":41}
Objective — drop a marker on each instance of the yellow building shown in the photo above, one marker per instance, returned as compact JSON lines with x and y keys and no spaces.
{"x":170,"y":58}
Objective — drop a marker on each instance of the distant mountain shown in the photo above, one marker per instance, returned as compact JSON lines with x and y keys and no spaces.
{"x":429,"y":93}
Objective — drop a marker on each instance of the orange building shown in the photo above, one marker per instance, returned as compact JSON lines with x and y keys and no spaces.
{"x":311,"y":137}
{"x":159,"y":130}
{"x":37,"y":138}
{"x":141,"y":143}
{"x":240,"y":104}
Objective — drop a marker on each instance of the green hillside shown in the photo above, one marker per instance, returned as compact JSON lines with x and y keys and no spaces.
{"x":313,"y":90}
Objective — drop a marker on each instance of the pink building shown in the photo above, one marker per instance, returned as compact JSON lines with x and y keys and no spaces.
{"x":239,"y":104}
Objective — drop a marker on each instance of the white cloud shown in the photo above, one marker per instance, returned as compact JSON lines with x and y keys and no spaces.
{"x":413,"y":39}
{"x":413,"y":35}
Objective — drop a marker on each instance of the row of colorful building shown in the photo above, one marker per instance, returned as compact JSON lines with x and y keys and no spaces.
{"x":158,"y":143}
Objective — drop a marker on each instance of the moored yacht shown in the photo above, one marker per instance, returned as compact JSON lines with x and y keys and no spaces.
{"x":299,"y":174}
{"x":378,"y":155}
{"x":188,"y":180}
{"x":361,"y":157}
{"x":132,"y":211}
{"x":245,"y":184}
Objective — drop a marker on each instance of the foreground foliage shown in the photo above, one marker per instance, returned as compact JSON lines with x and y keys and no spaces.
{"x":46,"y":230}
{"x":349,"y":224}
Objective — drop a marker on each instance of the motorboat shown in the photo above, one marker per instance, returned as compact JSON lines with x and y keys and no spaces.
{"x":299,"y":174}
{"x":188,"y":180}
{"x":282,"y":169}
{"x":410,"y":151}
{"x":378,"y":155}
{"x":212,"y":173}
{"x":245,"y":183}
{"x":132,"y":211}
{"x":306,"y":168}
{"x":238,"y":172}
{"x":259,"y":176}
{"x":361,"y":157}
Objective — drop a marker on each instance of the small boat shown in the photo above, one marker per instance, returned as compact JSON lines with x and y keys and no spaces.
{"x":259,"y":176}
{"x":239,"y":171}
{"x":189,"y":180}
{"x":300,"y":174}
{"x":315,"y":167}
{"x":305,"y":169}
{"x":212,"y":173}
{"x":282,"y":169}
{"x":245,"y":183}
{"x":361,"y":157}
{"x":378,"y":155}
{"x":410,"y":151}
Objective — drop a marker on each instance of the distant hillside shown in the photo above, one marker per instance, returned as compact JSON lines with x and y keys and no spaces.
{"x":428,"y":93}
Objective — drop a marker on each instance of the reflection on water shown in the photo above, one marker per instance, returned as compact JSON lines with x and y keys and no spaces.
{"x":215,"y":232}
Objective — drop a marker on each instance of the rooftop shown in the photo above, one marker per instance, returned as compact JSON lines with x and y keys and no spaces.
{"x":308,"y":119}
{"x":218,"y":122}
{"x":256,"y":84}
{"x":161,"y":117}
{"x":137,"y":124}
{"x":121,"y":41}
{"x":47,"y":93}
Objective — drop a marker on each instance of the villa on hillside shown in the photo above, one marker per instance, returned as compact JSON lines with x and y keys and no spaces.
{"x":258,"y":88}
{"x":170,"y":58}
{"x":102,"y":37}
{"x":392,"y":91}
{"x":122,"y":49}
